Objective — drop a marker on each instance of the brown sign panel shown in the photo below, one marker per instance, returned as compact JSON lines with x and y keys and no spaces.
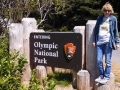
{"x":63,"y":50}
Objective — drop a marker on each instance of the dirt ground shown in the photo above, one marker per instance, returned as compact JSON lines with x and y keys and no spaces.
{"x":116,"y":71}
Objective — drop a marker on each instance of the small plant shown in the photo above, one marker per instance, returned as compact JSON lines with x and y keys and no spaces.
{"x":48,"y":84}
{"x":34,"y":82}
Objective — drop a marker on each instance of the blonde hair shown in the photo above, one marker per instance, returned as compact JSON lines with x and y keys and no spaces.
{"x":107,"y":6}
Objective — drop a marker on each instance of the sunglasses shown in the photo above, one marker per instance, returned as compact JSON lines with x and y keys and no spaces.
{"x":107,"y":10}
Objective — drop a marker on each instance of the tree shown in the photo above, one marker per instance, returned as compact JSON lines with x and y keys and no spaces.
{"x":49,"y":7}
{"x":78,"y":12}
{"x":12,"y":11}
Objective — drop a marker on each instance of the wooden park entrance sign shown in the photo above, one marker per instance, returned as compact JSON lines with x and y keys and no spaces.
{"x":63,"y":50}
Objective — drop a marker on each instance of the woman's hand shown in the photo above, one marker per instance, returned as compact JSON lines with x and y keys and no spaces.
{"x":117,"y":46}
{"x":93,"y":44}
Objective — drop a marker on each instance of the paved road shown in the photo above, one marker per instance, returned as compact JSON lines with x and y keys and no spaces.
{"x":116,"y":56}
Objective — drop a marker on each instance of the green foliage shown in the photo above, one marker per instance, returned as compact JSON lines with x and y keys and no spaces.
{"x":48,"y":84}
{"x":61,"y":78}
{"x":58,"y":78}
{"x":11,"y":66}
{"x":90,"y":10}
{"x":78,"y":12}
{"x":34,"y":82}
{"x":15,"y":10}
{"x":64,"y":29}
{"x":74,"y":13}
{"x":59,"y":6}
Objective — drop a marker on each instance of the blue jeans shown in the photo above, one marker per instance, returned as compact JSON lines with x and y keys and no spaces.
{"x":102,"y":50}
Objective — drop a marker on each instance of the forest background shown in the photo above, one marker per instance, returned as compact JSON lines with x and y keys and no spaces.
{"x":54,"y":15}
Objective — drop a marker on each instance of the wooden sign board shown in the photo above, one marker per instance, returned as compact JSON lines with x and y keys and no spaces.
{"x":54,"y":49}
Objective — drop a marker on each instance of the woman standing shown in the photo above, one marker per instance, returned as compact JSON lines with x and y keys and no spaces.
{"x":106,"y":39}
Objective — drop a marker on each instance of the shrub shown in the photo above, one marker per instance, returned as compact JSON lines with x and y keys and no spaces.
{"x":11,"y":66}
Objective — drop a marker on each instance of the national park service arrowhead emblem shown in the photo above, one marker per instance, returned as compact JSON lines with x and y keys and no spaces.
{"x":69,"y":49}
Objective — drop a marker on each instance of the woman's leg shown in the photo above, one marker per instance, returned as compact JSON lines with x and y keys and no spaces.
{"x":108,"y":55}
{"x":100,"y":60}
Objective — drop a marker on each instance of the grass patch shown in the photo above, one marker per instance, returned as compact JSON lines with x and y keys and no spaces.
{"x":61,"y":78}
